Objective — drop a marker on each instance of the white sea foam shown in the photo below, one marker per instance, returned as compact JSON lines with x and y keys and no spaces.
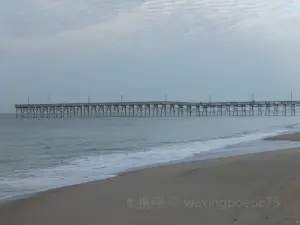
{"x":98,"y":167}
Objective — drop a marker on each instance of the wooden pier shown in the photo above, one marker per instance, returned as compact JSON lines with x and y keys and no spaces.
{"x":157,"y":109}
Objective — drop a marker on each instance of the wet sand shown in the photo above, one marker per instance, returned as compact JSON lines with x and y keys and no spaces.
{"x":286,"y":137}
{"x":261,"y":188}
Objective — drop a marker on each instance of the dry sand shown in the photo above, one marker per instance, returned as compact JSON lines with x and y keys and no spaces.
{"x":286,"y":137}
{"x":253,"y":189}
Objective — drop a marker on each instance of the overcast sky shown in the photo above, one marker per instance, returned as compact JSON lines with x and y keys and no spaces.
{"x":66,"y":50}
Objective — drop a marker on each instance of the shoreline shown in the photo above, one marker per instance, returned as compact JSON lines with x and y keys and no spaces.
{"x":253,"y":176}
{"x":37,"y":208}
{"x":203,"y":156}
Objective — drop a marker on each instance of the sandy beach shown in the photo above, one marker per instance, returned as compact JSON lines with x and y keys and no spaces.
{"x":253,"y":189}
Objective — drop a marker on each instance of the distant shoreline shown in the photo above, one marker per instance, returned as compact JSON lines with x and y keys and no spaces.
{"x":295,"y":136}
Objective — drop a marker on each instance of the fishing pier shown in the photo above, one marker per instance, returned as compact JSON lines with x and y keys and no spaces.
{"x":157,"y":109}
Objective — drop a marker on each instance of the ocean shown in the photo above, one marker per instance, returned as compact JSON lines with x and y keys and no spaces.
{"x":41,"y":154}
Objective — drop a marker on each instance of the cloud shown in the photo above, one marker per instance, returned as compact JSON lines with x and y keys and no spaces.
{"x":52,"y":25}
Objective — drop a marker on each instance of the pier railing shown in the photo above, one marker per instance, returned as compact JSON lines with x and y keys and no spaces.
{"x":157,"y":109}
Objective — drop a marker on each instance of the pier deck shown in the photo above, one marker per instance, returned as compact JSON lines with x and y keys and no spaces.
{"x":157,"y":108}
